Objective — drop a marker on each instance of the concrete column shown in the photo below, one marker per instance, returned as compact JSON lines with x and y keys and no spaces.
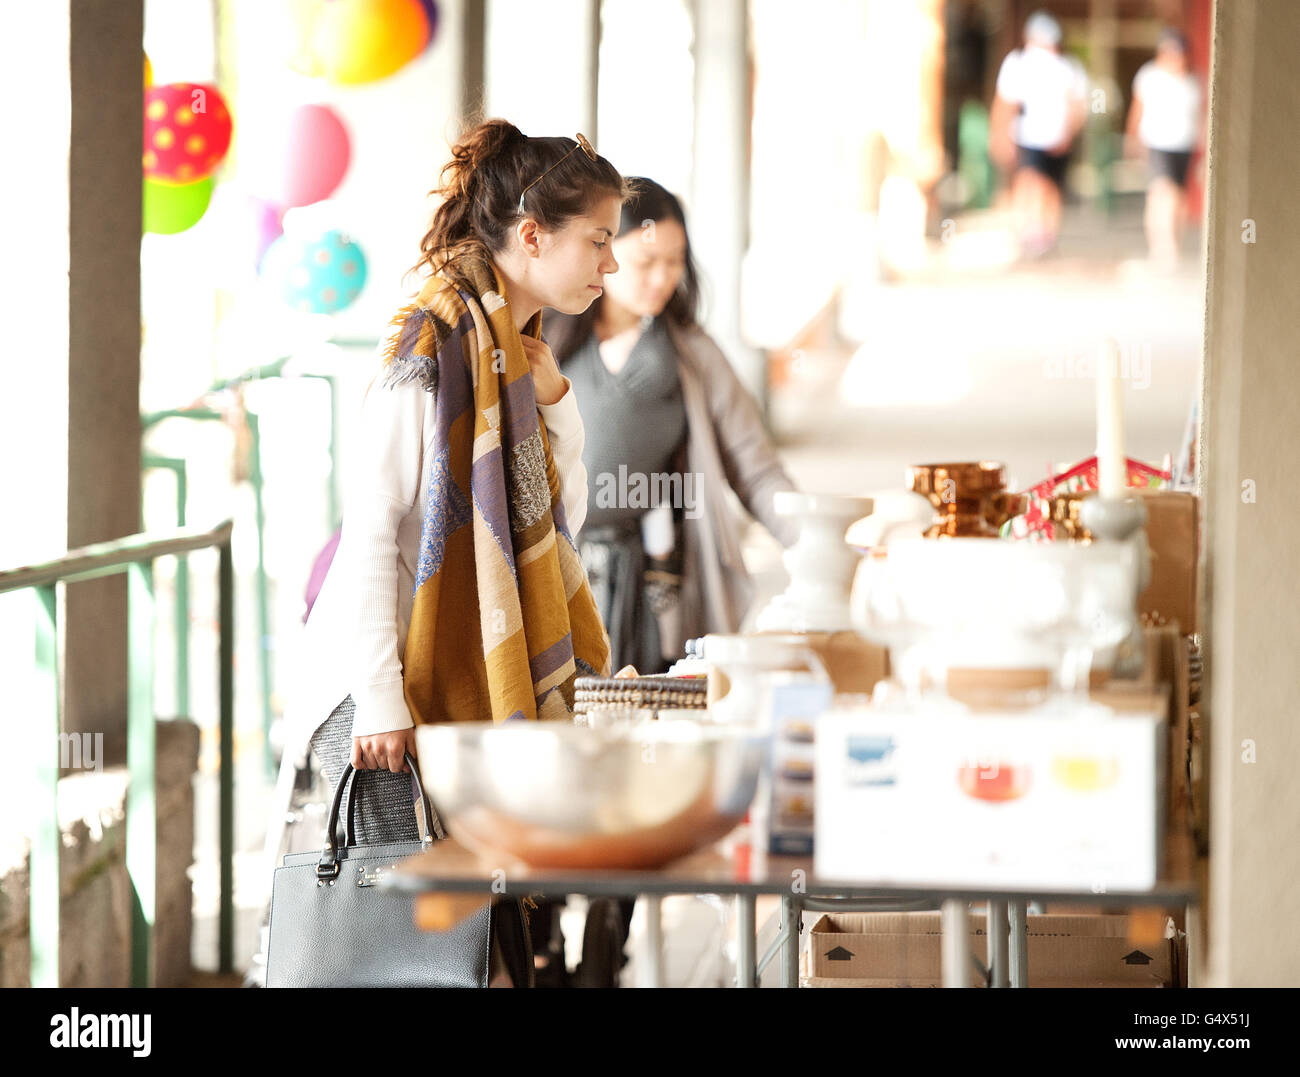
{"x":1103,"y":38}
{"x":590,"y":36}
{"x":473,"y":59}
{"x":1251,"y":441}
{"x":719,"y":200}
{"x":104,"y":192}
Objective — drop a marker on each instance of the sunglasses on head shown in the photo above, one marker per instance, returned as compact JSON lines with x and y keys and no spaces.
{"x":581,"y":144}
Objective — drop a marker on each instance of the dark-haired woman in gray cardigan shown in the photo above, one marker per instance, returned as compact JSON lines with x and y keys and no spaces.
{"x":668,"y":423}
{"x":669,"y":429}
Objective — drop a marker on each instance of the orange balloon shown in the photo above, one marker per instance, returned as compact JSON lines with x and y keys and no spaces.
{"x":357,"y":41}
{"x":148,"y":72}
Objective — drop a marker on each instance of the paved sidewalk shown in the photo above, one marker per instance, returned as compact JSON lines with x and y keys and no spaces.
{"x":994,"y":363}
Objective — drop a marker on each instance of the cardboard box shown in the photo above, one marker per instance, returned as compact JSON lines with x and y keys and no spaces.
{"x":1170,"y":650}
{"x":997,"y":689}
{"x":996,"y":799}
{"x":1172,"y":533}
{"x":854,"y":663}
{"x":904,"y":950}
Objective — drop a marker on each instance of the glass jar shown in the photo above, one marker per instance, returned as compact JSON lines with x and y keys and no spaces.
{"x":744,"y":671}
{"x":776,"y":686}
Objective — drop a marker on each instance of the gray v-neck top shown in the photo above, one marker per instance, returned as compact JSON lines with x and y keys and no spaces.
{"x":634,"y":420}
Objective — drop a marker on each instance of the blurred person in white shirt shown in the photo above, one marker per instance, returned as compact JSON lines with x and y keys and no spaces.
{"x":1038,"y":111}
{"x":1165,"y":123}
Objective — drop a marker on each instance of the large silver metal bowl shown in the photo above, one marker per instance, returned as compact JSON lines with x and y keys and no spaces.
{"x":562,"y":796}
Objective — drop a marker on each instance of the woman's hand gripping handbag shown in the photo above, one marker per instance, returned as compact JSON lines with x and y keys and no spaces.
{"x":331,"y":926}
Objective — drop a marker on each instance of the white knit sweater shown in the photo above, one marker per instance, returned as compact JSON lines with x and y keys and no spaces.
{"x":356,"y":633}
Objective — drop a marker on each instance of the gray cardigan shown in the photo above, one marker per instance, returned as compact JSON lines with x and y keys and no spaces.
{"x":728,"y":445}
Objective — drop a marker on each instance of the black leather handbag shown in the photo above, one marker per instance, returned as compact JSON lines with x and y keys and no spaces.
{"x":331,"y":926}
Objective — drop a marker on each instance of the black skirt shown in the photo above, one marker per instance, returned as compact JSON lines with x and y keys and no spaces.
{"x":615,"y":560}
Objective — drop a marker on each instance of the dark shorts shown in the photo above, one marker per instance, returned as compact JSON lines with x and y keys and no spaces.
{"x":1170,"y":164}
{"x":1051,"y":165}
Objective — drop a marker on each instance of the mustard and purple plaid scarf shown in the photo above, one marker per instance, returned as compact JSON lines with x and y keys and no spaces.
{"x":495,"y":547}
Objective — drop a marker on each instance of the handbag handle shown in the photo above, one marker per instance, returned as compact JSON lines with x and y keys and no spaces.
{"x":328,"y":865}
{"x":432,"y":824}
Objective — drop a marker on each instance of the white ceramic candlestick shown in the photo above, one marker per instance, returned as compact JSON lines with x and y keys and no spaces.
{"x":1116,"y":514}
{"x":1120,"y":520}
{"x":1112,"y":466}
{"x":820,"y":565}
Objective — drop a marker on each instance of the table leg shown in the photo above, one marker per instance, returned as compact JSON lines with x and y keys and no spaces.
{"x":955,"y":928}
{"x":1019,"y":944}
{"x":997,"y":943}
{"x":652,"y":945}
{"x":790,"y":917}
{"x":746,"y":941}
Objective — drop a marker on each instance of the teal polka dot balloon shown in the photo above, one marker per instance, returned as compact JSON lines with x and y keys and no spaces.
{"x":317,"y":275}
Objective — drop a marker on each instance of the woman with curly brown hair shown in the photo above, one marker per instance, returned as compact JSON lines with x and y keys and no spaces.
{"x":457,"y":593}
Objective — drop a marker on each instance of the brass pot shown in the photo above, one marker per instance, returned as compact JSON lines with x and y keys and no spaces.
{"x":970,"y":499}
{"x":1066,"y":524}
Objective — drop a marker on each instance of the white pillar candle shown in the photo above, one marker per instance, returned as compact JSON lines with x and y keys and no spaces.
{"x":1112,"y":467}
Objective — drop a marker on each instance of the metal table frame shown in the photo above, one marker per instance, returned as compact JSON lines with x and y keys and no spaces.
{"x":1007,"y":952}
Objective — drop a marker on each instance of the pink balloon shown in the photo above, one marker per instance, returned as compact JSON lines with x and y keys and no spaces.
{"x":302,"y":158}
{"x":268,"y":225}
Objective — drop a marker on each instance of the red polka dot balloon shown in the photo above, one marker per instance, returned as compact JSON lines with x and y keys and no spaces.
{"x":186,"y":131}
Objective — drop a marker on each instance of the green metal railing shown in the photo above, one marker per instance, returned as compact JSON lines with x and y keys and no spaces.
{"x":134,"y":555}
{"x":256,"y":481}
{"x":263,"y":600}
{"x":181,"y":609}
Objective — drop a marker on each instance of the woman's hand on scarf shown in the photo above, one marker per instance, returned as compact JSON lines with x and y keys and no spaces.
{"x":383,"y":751}
{"x":549,"y":385}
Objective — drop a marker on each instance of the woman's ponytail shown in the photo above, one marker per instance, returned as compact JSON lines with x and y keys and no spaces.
{"x":479,"y":190}
{"x":453,"y":228}
{"x":470,"y":156}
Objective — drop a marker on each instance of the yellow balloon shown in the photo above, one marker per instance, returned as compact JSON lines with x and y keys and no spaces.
{"x":358,"y":41}
{"x":148,"y":72}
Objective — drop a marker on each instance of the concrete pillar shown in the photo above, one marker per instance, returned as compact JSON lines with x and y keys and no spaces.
{"x":473,"y":59}
{"x":590,"y":54}
{"x":1103,"y":38}
{"x":1251,"y":441}
{"x":561,"y":41}
{"x":719,"y":199}
{"x":104,"y":192}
